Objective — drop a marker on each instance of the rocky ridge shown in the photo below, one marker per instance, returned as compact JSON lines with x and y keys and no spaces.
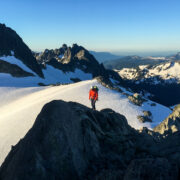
{"x":71,"y":58}
{"x":70,"y":141}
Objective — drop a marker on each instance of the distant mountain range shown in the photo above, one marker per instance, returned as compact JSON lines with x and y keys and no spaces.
{"x":104,"y":56}
{"x":135,"y":61}
{"x":162,"y":81}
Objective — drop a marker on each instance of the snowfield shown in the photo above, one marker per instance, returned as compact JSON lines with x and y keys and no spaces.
{"x":19,"y":107}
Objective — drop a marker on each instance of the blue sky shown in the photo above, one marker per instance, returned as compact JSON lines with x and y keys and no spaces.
{"x":101,"y":25}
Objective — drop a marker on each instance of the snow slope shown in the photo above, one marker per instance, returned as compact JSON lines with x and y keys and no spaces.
{"x":19,"y":108}
{"x":51,"y":75}
{"x":13,"y":60}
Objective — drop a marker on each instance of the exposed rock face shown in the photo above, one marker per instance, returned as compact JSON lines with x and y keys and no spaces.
{"x":47,"y":55}
{"x":136,"y":99}
{"x":10,"y":41}
{"x":171,"y":124}
{"x":70,"y":141}
{"x":13,"y":69}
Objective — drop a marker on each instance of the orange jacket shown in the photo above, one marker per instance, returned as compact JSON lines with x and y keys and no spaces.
{"x":93,"y":94}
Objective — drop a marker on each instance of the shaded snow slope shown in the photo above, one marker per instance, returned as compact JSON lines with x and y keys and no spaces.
{"x":18,"y":113}
{"x":14,"y":60}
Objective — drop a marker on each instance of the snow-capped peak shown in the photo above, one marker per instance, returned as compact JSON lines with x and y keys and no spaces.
{"x":169,"y":72}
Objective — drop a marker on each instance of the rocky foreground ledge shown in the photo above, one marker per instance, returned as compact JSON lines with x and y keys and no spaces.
{"x":70,"y":141}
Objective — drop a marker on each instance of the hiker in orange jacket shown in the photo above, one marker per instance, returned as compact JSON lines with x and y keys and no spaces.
{"x":93,"y":96}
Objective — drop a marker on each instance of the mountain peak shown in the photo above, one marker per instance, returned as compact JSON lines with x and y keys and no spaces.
{"x":70,"y":58}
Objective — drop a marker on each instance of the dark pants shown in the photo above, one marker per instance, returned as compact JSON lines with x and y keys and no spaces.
{"x":93,"y":101}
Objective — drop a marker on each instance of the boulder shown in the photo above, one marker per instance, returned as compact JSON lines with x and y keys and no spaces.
{"x":144,"y":119}
{"x":147,"y":113}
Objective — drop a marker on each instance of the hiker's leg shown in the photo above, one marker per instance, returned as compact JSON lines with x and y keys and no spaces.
{"x":94,"y":101}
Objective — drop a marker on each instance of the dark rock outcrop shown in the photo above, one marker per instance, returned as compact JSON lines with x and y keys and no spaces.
{"x":144,"y":119}
{"x":71,"y":141}
{"x":11,"y":42}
